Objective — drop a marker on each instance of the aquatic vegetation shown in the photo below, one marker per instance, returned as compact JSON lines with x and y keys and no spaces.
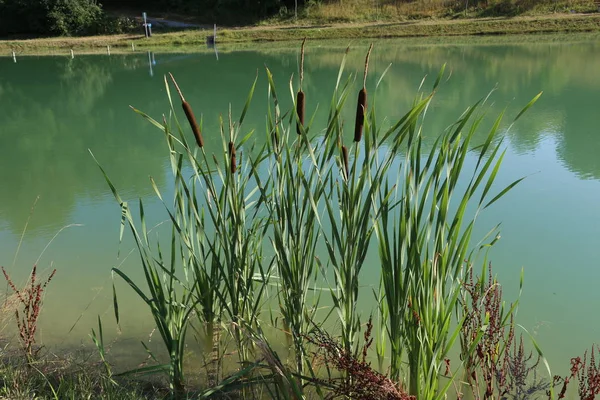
{"x":587,"y":374}
{"x":250,"y":219}
{"x":30,"y":301}
{"x":358,"y":380}
{"x":488,"y":329}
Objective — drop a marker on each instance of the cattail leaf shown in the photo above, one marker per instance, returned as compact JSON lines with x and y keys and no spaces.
{"x":385,"y":71}
{"x":439,"y":77}
{"x":492,"y":177}
{"x":248,"y":100}
{"x":531,"y":103}
{"x":150,"y":370}
{"x":503,"y":192}
{"x":115,"y":303}
{"x":489,"y":138}
{"x":148,"y":118}
{"x":108,"y":181}
{"x":132,"y":285}
{"x":341,"y":70}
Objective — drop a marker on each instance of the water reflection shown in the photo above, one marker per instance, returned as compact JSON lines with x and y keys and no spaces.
{"x":53,"y":109}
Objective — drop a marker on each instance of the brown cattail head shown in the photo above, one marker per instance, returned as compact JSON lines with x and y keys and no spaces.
{"x":187,"y":109}
{"x":192,"y":120}
{"x":361,"y":110}
{"x":233,"y":164}
{"x":300,"y":98}
{"x":300,"y":105}
{"x":346,"y":164}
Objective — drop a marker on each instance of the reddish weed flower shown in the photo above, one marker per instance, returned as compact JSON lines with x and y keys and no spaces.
{"x":30,"y":298}
{"x":359,"y":380}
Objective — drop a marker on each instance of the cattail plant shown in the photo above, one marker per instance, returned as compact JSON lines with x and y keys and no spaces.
{"x":351,"y":211}
{"x":224,"y":214}
{"x":187,"y":109}
{"x":300,"y":97}
{"x":289,"y":193}
{"x":361,"y":108}
{"x":424,"y":235}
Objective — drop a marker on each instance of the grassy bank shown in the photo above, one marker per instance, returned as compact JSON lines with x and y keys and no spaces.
{"x":555,"y":23}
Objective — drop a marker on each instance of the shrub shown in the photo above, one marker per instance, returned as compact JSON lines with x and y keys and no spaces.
{"x":43,"y":17}
{"x":74,"y":17}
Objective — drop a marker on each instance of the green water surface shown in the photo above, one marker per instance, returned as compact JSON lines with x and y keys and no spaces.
{"x":54,"y":108}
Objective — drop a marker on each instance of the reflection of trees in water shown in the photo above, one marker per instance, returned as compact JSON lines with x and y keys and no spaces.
{"x":579,"y":150}
{"x":54,"y":109}
{"x":566,"y":72}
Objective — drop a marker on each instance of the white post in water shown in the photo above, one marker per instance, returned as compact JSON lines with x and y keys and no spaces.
{"x":132,"y":46}
{"x":108,"y":50}
{"x":145,"y":24}
{"x":72,"y":54}
{"x":14,"y":56}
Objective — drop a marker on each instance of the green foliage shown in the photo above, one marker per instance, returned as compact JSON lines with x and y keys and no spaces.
{"x":56,"y":17}
{"x":224,"y":213}
{"x":63,"y":378}
{"x":73,"y":17}
{"x":112,"y":25}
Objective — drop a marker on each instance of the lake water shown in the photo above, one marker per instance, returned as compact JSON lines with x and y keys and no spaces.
{"x":54,"y":108}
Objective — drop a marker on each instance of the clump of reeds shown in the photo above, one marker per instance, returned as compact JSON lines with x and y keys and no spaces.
{"x":424,"y":233}
{"x":220,"y":222}
{"x":300,"y":97}
{"x":361,"y":108}
{"x":187,"y":109}
{"x":30,"y":299}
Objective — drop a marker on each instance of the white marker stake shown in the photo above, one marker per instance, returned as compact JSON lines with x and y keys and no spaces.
{"x":108,"y":50}
{"x":14,"y":56}
{"x":72,"y":54}
{"x":145,"y":24}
